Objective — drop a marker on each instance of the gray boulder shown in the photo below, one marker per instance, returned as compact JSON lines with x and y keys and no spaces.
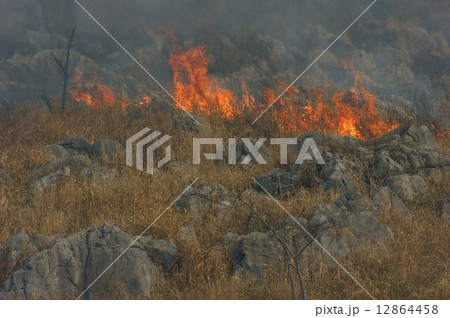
{"x":162,"y":252}
{"x":329,"y":142}
{"x":355,"y":231}
{"x":408,"y":187}
{"x":384,"y":198}
{"x":345,"y":225}
{"x":161,"y":105}
{"x":67,"y":267}
{"x":56,"y":150}
{"x":407,"y":150}
{"x":76,"y":144}
{"x":399,"y":191}
{"x":20,"y":247}
{"x":55,"y":172}
{"x":385,"y":166}
{"x":254,"y":253}
{"x":16,"y":250}
{"x":108,"y":151}
{"x":410,"y":136}
{"x":206,"y":199}
{"x":229,"y":241}
{"x":336,"y":174}
{"x":353,"y":201}
{"x":278,"y":181}
{"x":60,"y":170}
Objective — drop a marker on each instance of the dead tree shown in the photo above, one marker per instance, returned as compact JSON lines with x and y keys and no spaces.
{"x":291,"y":256}
{"x":47,"y":102}
{"x":65,"y":70}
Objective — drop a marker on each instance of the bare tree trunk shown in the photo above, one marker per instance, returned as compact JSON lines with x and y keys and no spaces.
{"x":47,"y":102}
{"x":291,"y":278}
{"x":288,"y":252}
{"x":65,"y":70}
{"x":299,"y":274}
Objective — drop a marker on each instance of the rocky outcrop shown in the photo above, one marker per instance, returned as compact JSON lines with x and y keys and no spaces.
{"x":55,"y":172}
{"x":76,"y":144}
{"x":349,"y":224}
{"x":399,"y":164}
{"x":162,"y":252}
{"x":20,"y":247}
{"x":402,"y":162}
{"x":207,"y":199}
{"x":108,"y":151}
{"x":59,"y":170}
{"x":336,"y":173}
{"x":407,"y":150}
{"x":345,"y":225}
{"x":278,"y":181}
{"x":74,"y":158}
{"x":65,"y":268}
{"x":254,"y":252}
{"x":56,"y":150}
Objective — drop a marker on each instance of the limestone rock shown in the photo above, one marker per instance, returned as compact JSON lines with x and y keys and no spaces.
{"x":108,"y":151}
{"x":67,"y":267}
{"x":162,"y":252}
{"x":207,"y":199}
{"x":56,"y":150}
{"x":76,"y":144}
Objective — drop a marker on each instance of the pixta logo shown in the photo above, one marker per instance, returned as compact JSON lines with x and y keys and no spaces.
{"x":146,"y":143}
{"x":309,"y":147}
{"x":144,"y":140}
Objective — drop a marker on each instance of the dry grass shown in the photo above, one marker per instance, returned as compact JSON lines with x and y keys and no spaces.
{"x":417,"y":268}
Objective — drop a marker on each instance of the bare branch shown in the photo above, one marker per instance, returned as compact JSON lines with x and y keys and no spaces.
{"x":47,"y":102}
{"x":65,"y":69}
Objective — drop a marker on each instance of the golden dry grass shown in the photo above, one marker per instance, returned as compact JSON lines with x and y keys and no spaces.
{"x":416,"y":268}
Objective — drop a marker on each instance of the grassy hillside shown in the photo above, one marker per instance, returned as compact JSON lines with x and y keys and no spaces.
{"x":418,"y":266}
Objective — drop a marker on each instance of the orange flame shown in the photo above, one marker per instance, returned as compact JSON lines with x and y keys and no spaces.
{"x":195,"y":90}
{"x":350,"y":113}
{"x":88,"y":89}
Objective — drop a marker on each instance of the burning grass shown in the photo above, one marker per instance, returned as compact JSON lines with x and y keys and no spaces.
{"x":348,"y":113}
{"x":417,"y":268}
{"x":90,"y":90}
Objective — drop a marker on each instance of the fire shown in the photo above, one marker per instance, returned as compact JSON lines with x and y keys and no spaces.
{"x":349,"y":113}
{"x":97,"y":95}
{"x":195,"y":90}
{"x":247,"y":101}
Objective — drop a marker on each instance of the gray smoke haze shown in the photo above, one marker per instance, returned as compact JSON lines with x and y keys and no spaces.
{"x":402,"y":46}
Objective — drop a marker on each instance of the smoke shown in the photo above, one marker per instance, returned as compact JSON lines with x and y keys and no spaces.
{"x":402,"y":46}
